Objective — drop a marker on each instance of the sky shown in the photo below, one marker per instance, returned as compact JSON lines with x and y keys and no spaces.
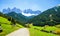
{"x":41,"y":5}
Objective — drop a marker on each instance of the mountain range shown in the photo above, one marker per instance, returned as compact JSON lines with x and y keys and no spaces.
{"x":47,"y":17}
{"x":8,"y":10}
{"x":18,"y":16}
{"x":16,"y":10}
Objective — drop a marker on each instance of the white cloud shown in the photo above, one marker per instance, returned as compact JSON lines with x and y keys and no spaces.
{"x":58,"y":4}
{"x":28,"y":14}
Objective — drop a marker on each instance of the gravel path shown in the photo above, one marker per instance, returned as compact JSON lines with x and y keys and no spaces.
{"x":20,"y":32}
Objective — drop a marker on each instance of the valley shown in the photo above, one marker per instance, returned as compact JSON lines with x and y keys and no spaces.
{"x":46,"y":23}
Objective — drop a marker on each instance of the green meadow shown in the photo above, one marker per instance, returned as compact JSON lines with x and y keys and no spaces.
{"x":36,"y":31}
{"x":7,"y":27}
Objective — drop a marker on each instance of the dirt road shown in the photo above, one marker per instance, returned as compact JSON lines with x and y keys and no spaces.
{"x":20,"y":32}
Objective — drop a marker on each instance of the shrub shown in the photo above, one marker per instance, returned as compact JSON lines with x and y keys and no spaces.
{"x":56,"y":32}
{"x":27,"y":25}
{"x":46,"y":26}
{"x":58,"y":26}
{"x":30,"y":25}
{"x":45,"y":31}
{"x":0,"y":28}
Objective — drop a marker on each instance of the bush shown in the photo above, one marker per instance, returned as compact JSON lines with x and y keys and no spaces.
{"x":56,"y":32}
{"x":39,"y":24}
{"x":45,"y":31}
{"x":0,"y":28}
{"x":27,"y":25}
{"x":50,"y":23}
{"x":58,"y":26}
{"x":46,"y":26}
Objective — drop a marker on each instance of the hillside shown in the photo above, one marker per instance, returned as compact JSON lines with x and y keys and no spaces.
{"x":19,"y":17}
{"x":7,"y":27}
{"x":36,"y":31}
{"x":48,"y":17}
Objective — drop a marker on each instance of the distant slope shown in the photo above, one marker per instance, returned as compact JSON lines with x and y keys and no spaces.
{"x":21,"y":19}
{"x":48,"y":17}
{"x":18,"y":16}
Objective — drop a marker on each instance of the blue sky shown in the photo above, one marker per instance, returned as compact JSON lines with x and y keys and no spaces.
{"x":41,"y":5}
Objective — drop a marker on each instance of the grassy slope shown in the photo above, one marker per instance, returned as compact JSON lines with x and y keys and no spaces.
{"x":7,"y":28}
{"x":35,"y":32}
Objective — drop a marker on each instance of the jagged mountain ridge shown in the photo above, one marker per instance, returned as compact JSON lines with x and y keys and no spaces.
{"x":16,"y":10}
